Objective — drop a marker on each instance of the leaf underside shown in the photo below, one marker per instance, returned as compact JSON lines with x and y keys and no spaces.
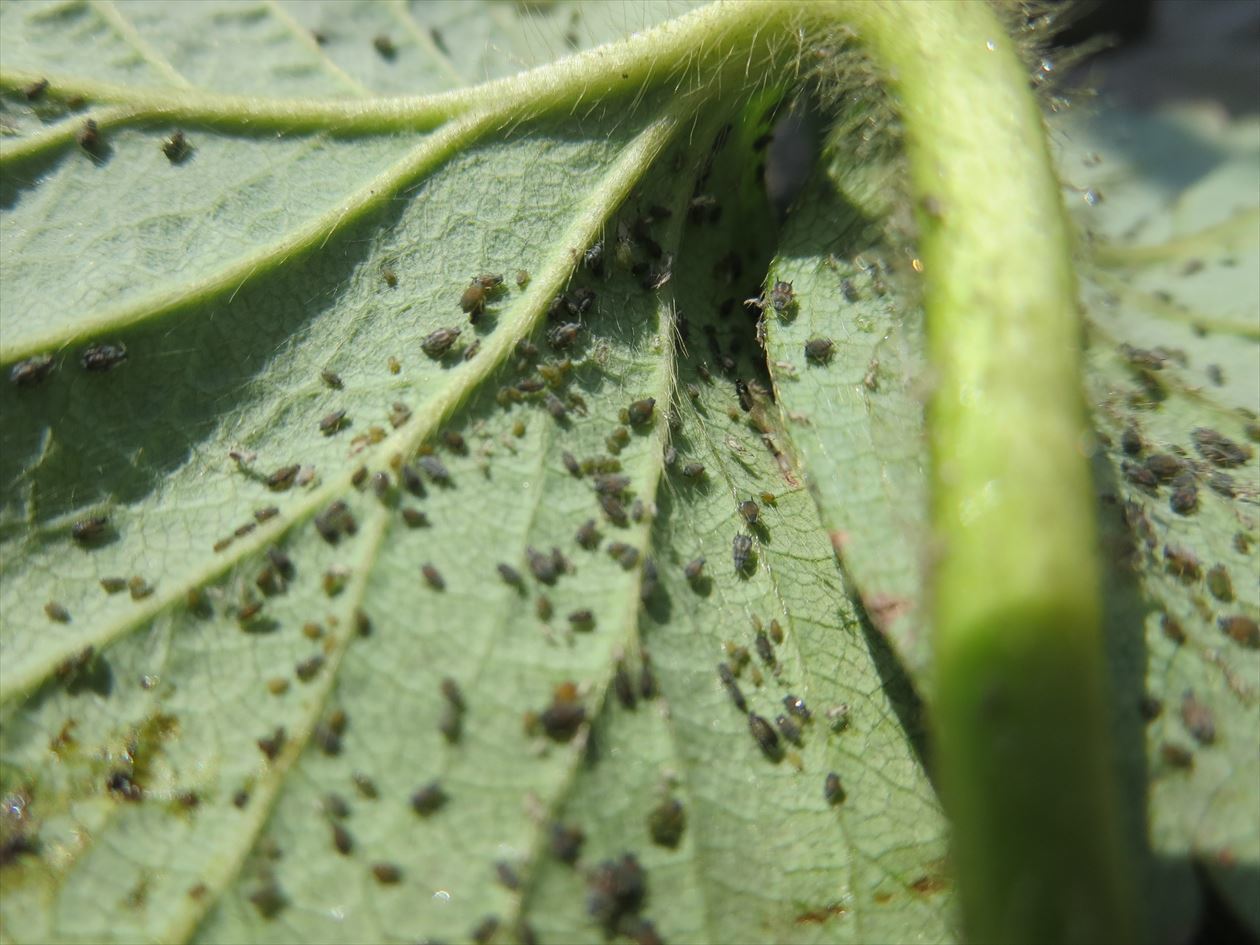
{"x":230,"y":747}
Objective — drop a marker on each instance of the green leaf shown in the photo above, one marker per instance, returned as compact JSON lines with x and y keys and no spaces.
{"x":230,"y":747}
{"x":1171,"y":256}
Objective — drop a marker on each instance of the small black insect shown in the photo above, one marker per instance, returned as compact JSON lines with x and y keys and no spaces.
{"x":282,"y":479}
{"x":451,"y":724}
{"x":1185,"y":496}
{"x":593,"y":258}
{"x":563,"y":335}
{"x":332,"y":422}
{"x":833,"y":791}
{"x":387,"y":874}
{"x":484,"y":930}
{"x":365,"y":785}
{"x":343,"y":842}
{"x":616,"y":891}
{"x":565,"y":842}
{"x":542,"y":566}
{"x":732,"y":687}
{"x":90,"y":531}
{"x":433,"y":577}
{"x":414,"y":518}
{"x":176,"y":147}
{"x":113,"y":585}
{"x":666,"y":823}
{"x":272,"y":744}
{"x":796,"y":706}
{"x":640,"y":412}
{"x":623,"y":688}
{"x":428,"y":799}
{"x":565,"y":715}
{"x":103,"y":357}
{"x":522,"y":278}
{"x":788,"y":729}
{"x":35,"y":90}
{"x":510,"y":575}
{"x":435,"y":469}
{"x":57,"y":612}
{"x":610,"y":484}
{"x":555,"y":406}
{"x":744,"y":393}
{"x":89,"y":137}
{"x":309,"y":668}
{"x":588,"y":535}
{"x":819,"y":350}
{"x":331,"y":378}
{"x":507,"y":875}
{"x":437,"y":343}
{"x":693,"y":471}
{"x":765,"y":736}
{"x":1241,"y":629}
{"x":750,"y":511}
{"x":1176,"y":756}
{"x":694,"y":569}
{"x":582,"y":620}
{"x":385,"y":46}
{"x":1219,"y":583}
{"x":1198,"y":719}
{"x":571,"y":463}
{"x":1164,"y":466}
{"x":764,"y":649}
{"x":32,"y":371}
{"x":741,"y":553}
{"x":1219,"y":450}
{"x":613,"y":509}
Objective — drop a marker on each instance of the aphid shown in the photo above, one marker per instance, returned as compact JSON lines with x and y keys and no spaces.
{"x":582,"y":620}
{"x":796,"y":706}
{"x":484,"y":930}
{"x":1241,"y":629}
{"x":365,"y":785}
{"x":764,"y":649}
{"x":1163,"y":466}
{"x":335,"y":579}
{"x":1219,"y":450}
{"x":565,"y":842}
{"x":693,"y":570}
{"x":309,"y":668}
{"x":32,"y":371}
{"x":507,"y":875}
{"x":693,"y":471}
{"x":438,"y":343}
{"x":522,"y":278}
{"x":765,"y":737}
{"x":571,"y":463}
{"x":588,"y":535}
{"x":741,"y":553}
{"x":176,"y":147}
{"x":387,"y":874}
{"x":428,"y":799}
{"x":473,"y":301}
{"x":331,"y":378}
{"x":625,"y":555}
{"x":562,"y":564}
{"x":623,"y":688}
{"x":648,"y":688}
{"x":334,"y":520}
{"x":57,"y":612}
{"x":510,"y":575}
{"x":543,"y":608}
{"x":750,"y":511}
{"x":788,"y":729}
{"x":1131,"y":441}
{"x":1140,"y":476}
{"x":542,"y":566}
{"x":613,"y":509}
{"x":385,"y":46}
{"x":666,"y":823}
{"x":640,"y":412}
{"x":833,"y":791}
{"x":414,"y":518}
{"x":1223,"y":484}
{"x":269,"y":899}
{"x":744,"y":394}
{"x":732,"y":688}
{"x":555,"y":406}
{"x":266,"y":513}
{"x":1182,"y":563}
{"x":819,"y":350}
{"x":35,"y":89}
{"x":381,"y":484}
{"x":335,"y":806}
{"x":435,"y":469}
{"x":647,"y":580}
{"x":306,"y":474}
{"x":608,"y":484}
{"x":343,"y":843}
{"x":282,"y":478}
{"x":112,"y":585}
{"x":89,"y":531}
{"x":433,"y":577}
{"x":139,"y":588}
{"x":1176,"y":756}
{"x":1172,"y":629}
{"x":564,"y":716}
{"x":1198,"y":719}
{"x":776,"y":632}
{"x":563,"y":335}
{"x":1185,"y":497}
{"x":451,"y":724}
{"x":332,"y":422}
{"x":393,"y":364}
{"x":102,"y":357}
{"x":89,"y":137}
{"x":838,"y":717}
{"x":272,"y":744}
{"x":277,"y":685}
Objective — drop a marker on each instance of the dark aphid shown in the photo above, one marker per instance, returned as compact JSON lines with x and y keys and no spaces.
{"x":89,"y":531}
{"x":435,"y":469}
{"x":565,"y":842}
{"x":335,"y":806}
{"x":385,"y":46}
{"x":666,"y":823}
{"x":332,"y":422}
{"x":112,"y":585}
{"x":1140,"y":476}
{"x":1223,"y":485}
{"x":615,"y":892}
{"x":732,"y":687}
{"x":640,"y":412}
{"x":542,"y":566}
{"x":451,"y":724}
{"x":764,"y":649}
{"x":282,"y":479}
{"x":833,"y":791}
{"x":1185,"y":496}
{"x":1241,"y":629}
{"x":1150,"y":708}
{"x":625,"y":555}
{"x":1176,"y":756}
{"x":588,"y":535}
{"x":623,"y":687}
{"x":593,"y":258}
{"x":309,"y":668}
{"x":1172,"y":629}
{"x":453,"y":694}
{"x":433,"y":577}
{"x":765,"y":736}
{"x":563,"y":335}
{"x":782,"y":297}
{"x":414,"y":518}
{"x":571,"y":463}
{"x":428,"y":799}
{"x":1219,"y":450}
{"x":438,"y":343}
{"x":139,"y":587}
{"x":1219,"y":583}
{"x":510,"y":575}
{"x":543,"y":608}
{"x":609,"y":484}
{"x":89,"y":137}
{"x":121,"y":784}
{"x":693,"y":471}
{"x":565,"y":715}
{"x":242,"y":530}
{"x":32,"y":371}
{"x":265,"y":514}
{"x":269,"y":899}
{"x":1198,"y":719}
{"x":741,"y":553}
{"x":819,"y":350}
{"x":555,"y":406}
{"x":582,"y":620}
{"x":1131,"y":441}
{"x":343,"y":842}
{"x":176,"y":147}
{"x":1164,"y":466}
{"x":333,"y":521}
{"x":648,"y":580}
{"x":796,"y":706}
{"x":693,"y":570}
{"x":365,"y":786}
{"x":648,"y":689}
{"x":507,"y":875}
{"x":103,"y":357}
{"x":381,"y":484}
{"x":359,"y":477}
{"x":331,"y":378}
{"x":522,"y":278}
{"x":750,"y":510}
{"x":35,"y":90}
{"x":57,"y":612}
{"x":613,"y":509}
{"x":272,"y":744}
{"x":1182,"y":563}
{"x":410,"y":479}
{"x":455,"y":442}
{"x":788,"y":729}
{"x":776,"y":632}
{"x":473,"y":301}
{"x":249,"y":611}
{"x":744,"y":394}
{"x":484,"y":930}
{"x":387,"y":874}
